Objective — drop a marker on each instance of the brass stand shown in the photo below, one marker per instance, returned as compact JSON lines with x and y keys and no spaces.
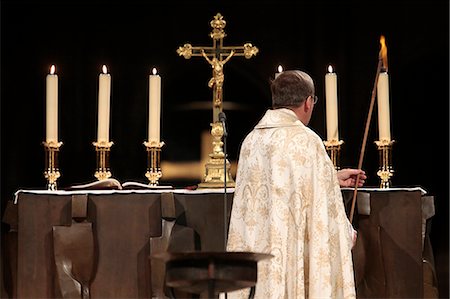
{"x":385,"y":171}
{"x":214,"y":176}
{"x":51,"y":172}
{"x":103,"y":149}
{"x":333,"y":148}
{"x":153,"y":173}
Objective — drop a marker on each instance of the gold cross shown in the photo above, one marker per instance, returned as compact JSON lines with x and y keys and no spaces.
{"x":217,"y":56}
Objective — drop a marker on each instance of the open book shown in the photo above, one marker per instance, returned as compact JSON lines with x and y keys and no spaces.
{"x":114,"y":184}
{"x":137,"y":185}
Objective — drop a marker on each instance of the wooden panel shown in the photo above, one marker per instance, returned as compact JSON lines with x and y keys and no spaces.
{"x":37,"y":215}
{"x":123,"y":225}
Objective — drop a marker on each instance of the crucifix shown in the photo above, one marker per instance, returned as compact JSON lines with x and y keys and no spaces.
{"x":217,"y":56}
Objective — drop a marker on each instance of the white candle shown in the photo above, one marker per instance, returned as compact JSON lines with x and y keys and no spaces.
{"x":280,"y":70}
{"x":52,"y":106}
{"x":154,"y":98}
{"x":104,"y":94}
{"x":383,"y":107}
{"x":331,"y":105}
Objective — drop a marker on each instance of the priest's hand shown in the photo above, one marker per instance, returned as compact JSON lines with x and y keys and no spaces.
{"x":347,"y":177}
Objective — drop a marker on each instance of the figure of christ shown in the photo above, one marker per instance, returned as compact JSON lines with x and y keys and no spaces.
{"x":218,"y":76}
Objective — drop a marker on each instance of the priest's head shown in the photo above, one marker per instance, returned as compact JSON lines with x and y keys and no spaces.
{"x":294,"y":90}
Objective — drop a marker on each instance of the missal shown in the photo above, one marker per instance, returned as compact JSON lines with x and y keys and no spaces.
{"x":114,"y":184}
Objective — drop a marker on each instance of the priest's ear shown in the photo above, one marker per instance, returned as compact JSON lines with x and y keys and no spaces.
{"x":307,"y":105}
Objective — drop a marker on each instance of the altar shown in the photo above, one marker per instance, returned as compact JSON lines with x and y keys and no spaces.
{"x":63,"y":243}
{"x":393,"y":257}
{"x":118,"y":229}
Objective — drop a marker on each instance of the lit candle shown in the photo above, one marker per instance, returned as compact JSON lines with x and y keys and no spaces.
{"x":104,"y":94}
{"x":383,"y":107}
{"x":280,"y":70}
{"x":331,"y":105}
{"x":154,"y":97}
{"x":383,"y":97}
{"x":52,"y":106}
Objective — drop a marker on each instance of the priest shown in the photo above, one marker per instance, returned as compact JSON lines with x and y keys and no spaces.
{"x":288,"y":202}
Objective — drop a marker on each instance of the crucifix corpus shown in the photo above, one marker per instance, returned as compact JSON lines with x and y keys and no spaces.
{"x":217,"y":56}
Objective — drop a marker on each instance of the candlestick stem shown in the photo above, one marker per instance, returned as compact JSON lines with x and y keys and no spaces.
{"x":154,"y":172}
{"x":103,"y":149}
{"x":386,"y":170}
{"x":333,"y":148}
{"x":51,"y":172}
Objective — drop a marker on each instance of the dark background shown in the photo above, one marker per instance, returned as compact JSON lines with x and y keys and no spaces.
{"x":131,"y":37}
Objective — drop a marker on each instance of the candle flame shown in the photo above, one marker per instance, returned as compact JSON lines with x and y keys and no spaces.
{"x":52,"y":69}
{"x":280,"y":69}
{"x":154,"y":71}
{"x":383,"y":52}
{"x":104,"y":69}
{"x":330,"y":69}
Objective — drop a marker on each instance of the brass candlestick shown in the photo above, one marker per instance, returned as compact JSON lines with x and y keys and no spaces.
{"x":385,"y":171}
{"x":51,"y":172}
{"x":333,"y":148}
{"x":103,"y":148}
{"x":214,"y":176}
{"x":154,"y":172}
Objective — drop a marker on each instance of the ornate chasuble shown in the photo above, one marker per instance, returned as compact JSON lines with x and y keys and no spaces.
{"x":288,"y":203}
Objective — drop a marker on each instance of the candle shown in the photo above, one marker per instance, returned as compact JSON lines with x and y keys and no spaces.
{"x":104,"y":93}
{"x":280,"y":70}
{"x":331,"y":105}
{"x":154,"y":97}
{"x":383,"y":107}
{"x":384,"y":123}
{"x":52,"y":106}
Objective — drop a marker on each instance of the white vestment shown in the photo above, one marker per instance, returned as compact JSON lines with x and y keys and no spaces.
{"x":288,"y":203}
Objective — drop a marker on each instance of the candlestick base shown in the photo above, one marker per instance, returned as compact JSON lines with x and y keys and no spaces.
{"x":333,"y":148}
{"x":51,"y":172}
{"x":214,"y":176}
{"x":103,"y":149}
{"x":385,"y":171}
{"x":154,"y":172}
